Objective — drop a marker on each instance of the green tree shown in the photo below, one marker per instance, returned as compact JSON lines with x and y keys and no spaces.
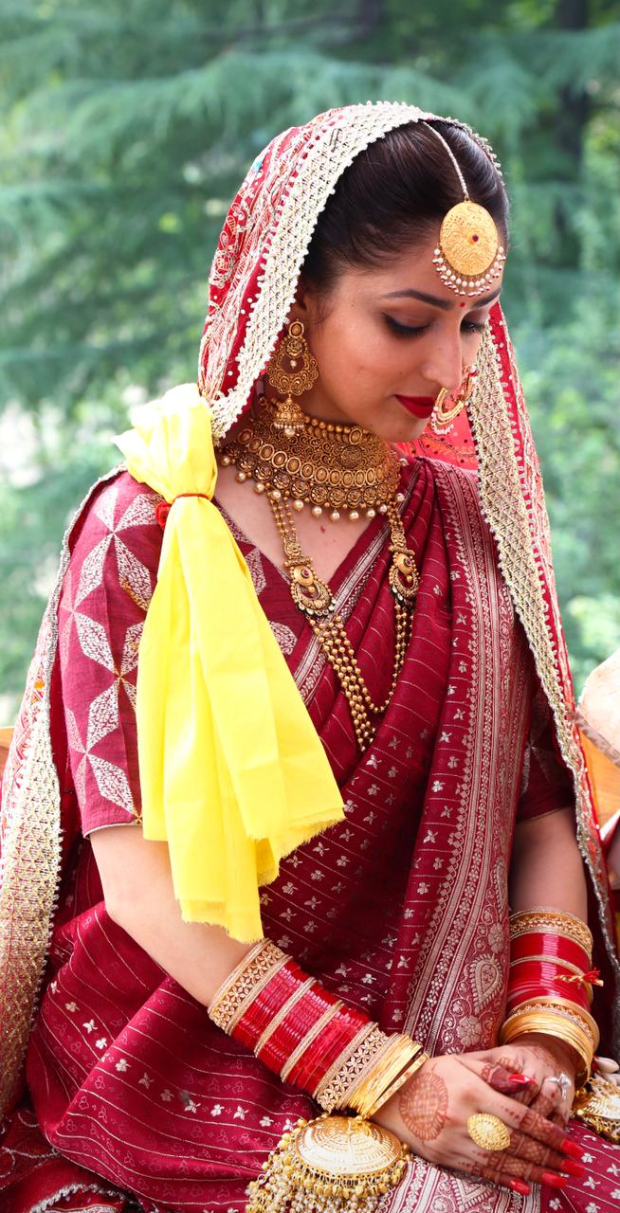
{"x":128,"y":128}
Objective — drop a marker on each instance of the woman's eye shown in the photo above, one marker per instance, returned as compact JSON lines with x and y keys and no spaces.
{"x":406,"y":330}
{"x":403,"y":330}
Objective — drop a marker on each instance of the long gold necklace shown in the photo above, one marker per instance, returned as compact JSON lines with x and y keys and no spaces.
{"x":325,"y":466}
{"x":309,"y":593}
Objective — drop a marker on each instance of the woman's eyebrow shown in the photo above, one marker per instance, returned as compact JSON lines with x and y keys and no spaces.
{"x":444,"y":304}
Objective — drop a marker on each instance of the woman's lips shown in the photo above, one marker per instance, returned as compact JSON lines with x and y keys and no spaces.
{"x":420,"y":406}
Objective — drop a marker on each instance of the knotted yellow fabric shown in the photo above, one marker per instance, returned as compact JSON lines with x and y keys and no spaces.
{"x":232,"y":772}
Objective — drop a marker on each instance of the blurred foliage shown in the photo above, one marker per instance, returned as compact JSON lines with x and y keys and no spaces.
{"x":128,"y":127}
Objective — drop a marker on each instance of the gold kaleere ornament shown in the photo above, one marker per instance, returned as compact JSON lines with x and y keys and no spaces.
{"x":597,"y":1104}
{"x":469,"y":256}
{"x":335,"y":1164}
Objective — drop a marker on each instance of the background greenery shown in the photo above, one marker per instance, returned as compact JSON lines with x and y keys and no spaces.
{"x":128,"y":126}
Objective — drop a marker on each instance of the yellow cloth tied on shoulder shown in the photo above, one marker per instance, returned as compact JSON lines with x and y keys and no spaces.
{"x":233,"y":774}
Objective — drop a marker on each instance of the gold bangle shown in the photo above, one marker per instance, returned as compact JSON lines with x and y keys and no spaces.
{"x":366,"y":1082}
{"x":245,"y":983}
{"x":384,"y":1073}
{"x":559,"y":921}
{"x":399,"y":1082}
{"x":356,"y":1058}
{"x":557,"y":1026}
{"x":564,"y":1006}
{"x":561,"y":1025}
{"x":229,"y":981}
{"x":554,"y":960}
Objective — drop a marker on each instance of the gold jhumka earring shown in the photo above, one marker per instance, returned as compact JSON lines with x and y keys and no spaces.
{"x":469,"y":256}
{"x":442,"y":418}
{"x":289,"y":418}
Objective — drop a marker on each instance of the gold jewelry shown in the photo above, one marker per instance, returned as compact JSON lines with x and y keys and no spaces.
{"x":558,"y":921}
{"x":442,"y":419}
{"x":563,"y":1021}
{"x":401,"y":1051}
{"x":315,"y":599}
{"x":325,"y":466}
{"x":340,"y":1163}
{"x":488,"y":1131}
{"x":244,"y":983}
{"x":598,"y":1106}
{"x":416,"y":1064}
{"x":469,"y":256}
{"x":344,"y":1071}
{"x":299,"y":379}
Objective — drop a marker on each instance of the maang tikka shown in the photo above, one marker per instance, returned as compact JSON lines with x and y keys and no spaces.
{"x":469,"y":256}
{"x":303,"y":374}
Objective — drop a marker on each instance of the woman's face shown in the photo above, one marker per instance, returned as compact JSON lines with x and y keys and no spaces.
{"x":375,"y":338}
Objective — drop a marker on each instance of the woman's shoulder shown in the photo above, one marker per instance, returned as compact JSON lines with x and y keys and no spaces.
{"x":121,"y":513}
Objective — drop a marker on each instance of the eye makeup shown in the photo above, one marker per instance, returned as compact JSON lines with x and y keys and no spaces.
{"x":406,"y":330}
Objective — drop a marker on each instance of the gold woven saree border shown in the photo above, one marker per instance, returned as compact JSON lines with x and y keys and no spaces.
{"x":522,"y":542}
{"x":31,"y":846}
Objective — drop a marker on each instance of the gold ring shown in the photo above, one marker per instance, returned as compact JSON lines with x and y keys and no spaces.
{"x":488,"y":1131}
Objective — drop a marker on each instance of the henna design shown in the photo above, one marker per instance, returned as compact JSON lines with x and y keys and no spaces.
{"x":501,"y":1080}
{"x":423,"y":1105}
{"x":535,"y":1125}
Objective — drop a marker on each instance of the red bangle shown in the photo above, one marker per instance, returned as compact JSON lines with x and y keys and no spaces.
{"x":323,"y":1052}
{"x":289,"y":1034}
{"x":539,"y":943}
{"x":259,"y":1014}
{"x":533,"y":986}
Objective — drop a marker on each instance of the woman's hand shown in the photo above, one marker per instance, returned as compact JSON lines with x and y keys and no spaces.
{"x":549,"y":1064}
{"x":430,"y":1114}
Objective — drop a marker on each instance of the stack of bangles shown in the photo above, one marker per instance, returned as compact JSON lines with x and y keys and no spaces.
{"x":550,"y":985}
{"x":310,"y":1038}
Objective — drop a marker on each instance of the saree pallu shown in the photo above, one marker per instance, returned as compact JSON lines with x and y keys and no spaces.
{"x":134,"y":1098}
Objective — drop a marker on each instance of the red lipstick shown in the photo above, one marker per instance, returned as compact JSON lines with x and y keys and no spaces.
{"x":420,"y":406}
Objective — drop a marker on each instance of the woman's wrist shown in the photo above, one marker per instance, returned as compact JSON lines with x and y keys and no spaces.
{"x":566,"y":1057}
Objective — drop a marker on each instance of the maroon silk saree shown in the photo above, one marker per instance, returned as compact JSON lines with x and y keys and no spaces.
{"x":132,"y":1097}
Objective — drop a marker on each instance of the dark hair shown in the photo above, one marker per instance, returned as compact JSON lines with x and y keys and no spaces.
{"x":396,"y":192}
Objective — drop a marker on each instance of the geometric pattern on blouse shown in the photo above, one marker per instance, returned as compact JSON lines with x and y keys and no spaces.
{"x":135,"y":579}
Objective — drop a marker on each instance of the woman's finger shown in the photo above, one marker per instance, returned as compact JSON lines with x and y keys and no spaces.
{"x":544,"y":1156}
{"x":554,"y":1101}
{"x":524,"y":1119}
{"x":519,"y":1086}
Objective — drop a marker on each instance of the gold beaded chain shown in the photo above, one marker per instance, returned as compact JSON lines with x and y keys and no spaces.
{"x":314,"y":597}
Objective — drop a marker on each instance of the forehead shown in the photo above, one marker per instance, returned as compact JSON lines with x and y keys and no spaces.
{"x":412,"y":268}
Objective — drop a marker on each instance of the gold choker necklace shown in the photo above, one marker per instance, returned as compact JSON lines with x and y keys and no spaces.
{"x":325,"y":466}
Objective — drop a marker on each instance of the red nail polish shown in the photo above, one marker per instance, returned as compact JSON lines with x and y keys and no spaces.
{"x":554,"y":1181}
{"x":573,"y":1168}
{"x":520,"y":1082}
{"x":517,"y":1185}
{"x":571,"y":1147}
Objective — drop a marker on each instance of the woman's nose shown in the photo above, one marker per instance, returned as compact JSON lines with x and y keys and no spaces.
{"x":443,"y":365}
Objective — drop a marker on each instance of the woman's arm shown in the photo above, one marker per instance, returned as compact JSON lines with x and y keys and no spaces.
{"x":547,"y":869}
{"x":139,"y":896}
